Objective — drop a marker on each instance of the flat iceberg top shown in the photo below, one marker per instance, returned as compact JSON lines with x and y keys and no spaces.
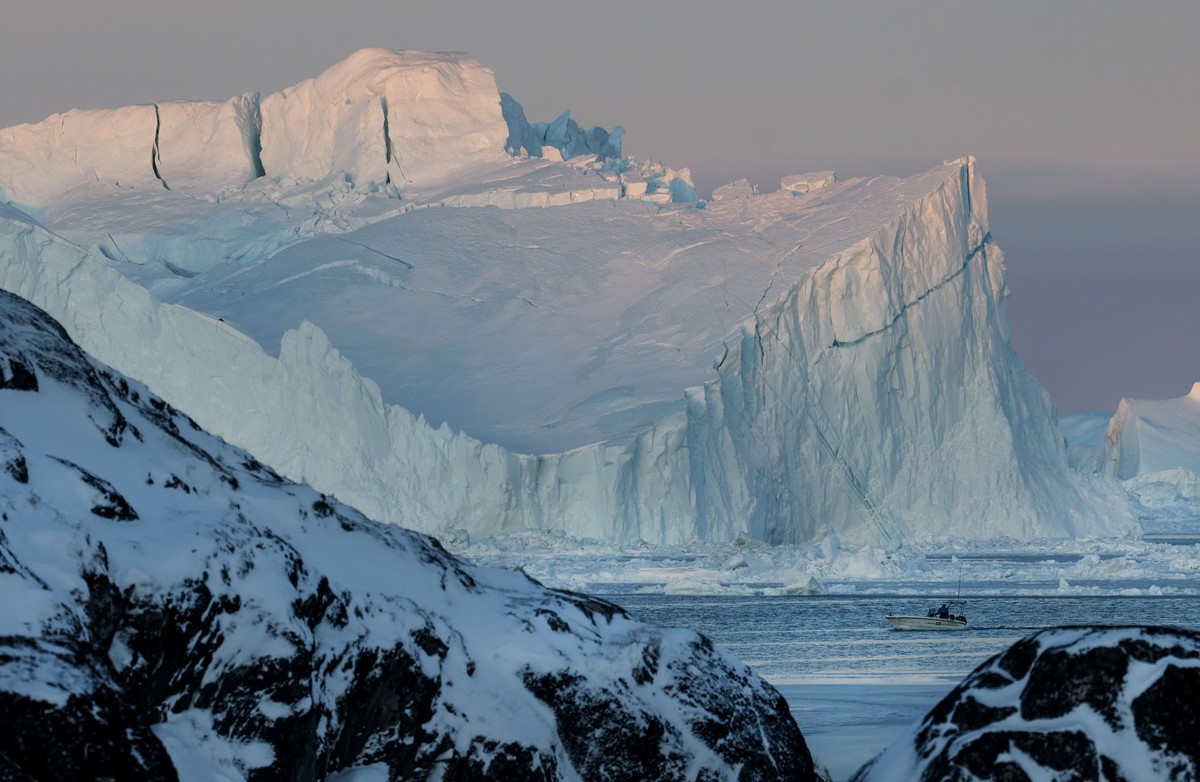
{"x":544,"y":330}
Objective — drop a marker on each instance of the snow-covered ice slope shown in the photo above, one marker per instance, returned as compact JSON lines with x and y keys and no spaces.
{"x":820,"y":359}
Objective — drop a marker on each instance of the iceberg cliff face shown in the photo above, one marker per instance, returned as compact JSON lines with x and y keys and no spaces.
{"x":788,"y":365}
{"x":888,"y":371}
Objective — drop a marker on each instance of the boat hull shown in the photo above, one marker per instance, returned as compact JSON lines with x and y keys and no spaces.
{"x":926,"y":623}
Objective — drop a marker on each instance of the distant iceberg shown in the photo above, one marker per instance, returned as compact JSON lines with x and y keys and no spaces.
{"x":1152,"y":446}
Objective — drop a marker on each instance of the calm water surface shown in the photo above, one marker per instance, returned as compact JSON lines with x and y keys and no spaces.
{"x":855,"y":685}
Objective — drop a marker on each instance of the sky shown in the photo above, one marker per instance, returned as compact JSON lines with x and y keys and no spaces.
{"x":1084,"y":118}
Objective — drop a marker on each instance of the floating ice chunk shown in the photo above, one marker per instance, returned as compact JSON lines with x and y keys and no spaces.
{"x":802,"y":584}
{"x":800,"y":184}
{"x":635,"y":186}
{"x":563,"y":134}
{"x":741,"y":190}
{"x":682,"y":190}
{"x":522,"y":139}
{"x":1167,"y":496}
{"x":736,"y":562}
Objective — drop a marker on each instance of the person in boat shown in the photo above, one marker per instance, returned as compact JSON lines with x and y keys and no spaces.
{"x":944,"y":612}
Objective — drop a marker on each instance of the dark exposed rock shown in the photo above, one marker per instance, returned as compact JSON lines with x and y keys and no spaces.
{"x":109,"y":503}
{"x":733,"y":726}
{"x":1017,"y":661}
{"x":970,"y":714}
{"x":16,"y":376}
{"x":1167,"y":716}
{"x":12,"y":460}
{"x":1048,"y":707}
{"x":84,"y":728}
{"x":1061,"y":682}
{"x":509,"y":762}
{"x":987,"y":756}
{"x":604,"y":738}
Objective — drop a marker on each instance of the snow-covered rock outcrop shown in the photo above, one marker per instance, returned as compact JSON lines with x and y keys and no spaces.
{"x":173,"y":609}
{"x":785,"y":365}
{"x":1068,"y":703}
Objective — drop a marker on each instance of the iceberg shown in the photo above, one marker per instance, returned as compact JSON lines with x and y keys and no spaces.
{"x":831,"y":358}
{"x":1150,"y":436}
{"x":1151,"y":446}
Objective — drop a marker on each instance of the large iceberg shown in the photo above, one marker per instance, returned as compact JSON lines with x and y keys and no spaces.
{"x":818,"y":360}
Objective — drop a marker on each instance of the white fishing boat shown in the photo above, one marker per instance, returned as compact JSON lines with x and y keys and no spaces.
{"x":950,"y":616}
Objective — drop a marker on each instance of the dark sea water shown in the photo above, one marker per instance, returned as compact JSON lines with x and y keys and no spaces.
{"x":855,"y":685}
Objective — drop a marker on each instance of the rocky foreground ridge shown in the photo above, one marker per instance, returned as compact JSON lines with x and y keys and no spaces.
{"x":172,"y":609}
{"x":1080,"y":703}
